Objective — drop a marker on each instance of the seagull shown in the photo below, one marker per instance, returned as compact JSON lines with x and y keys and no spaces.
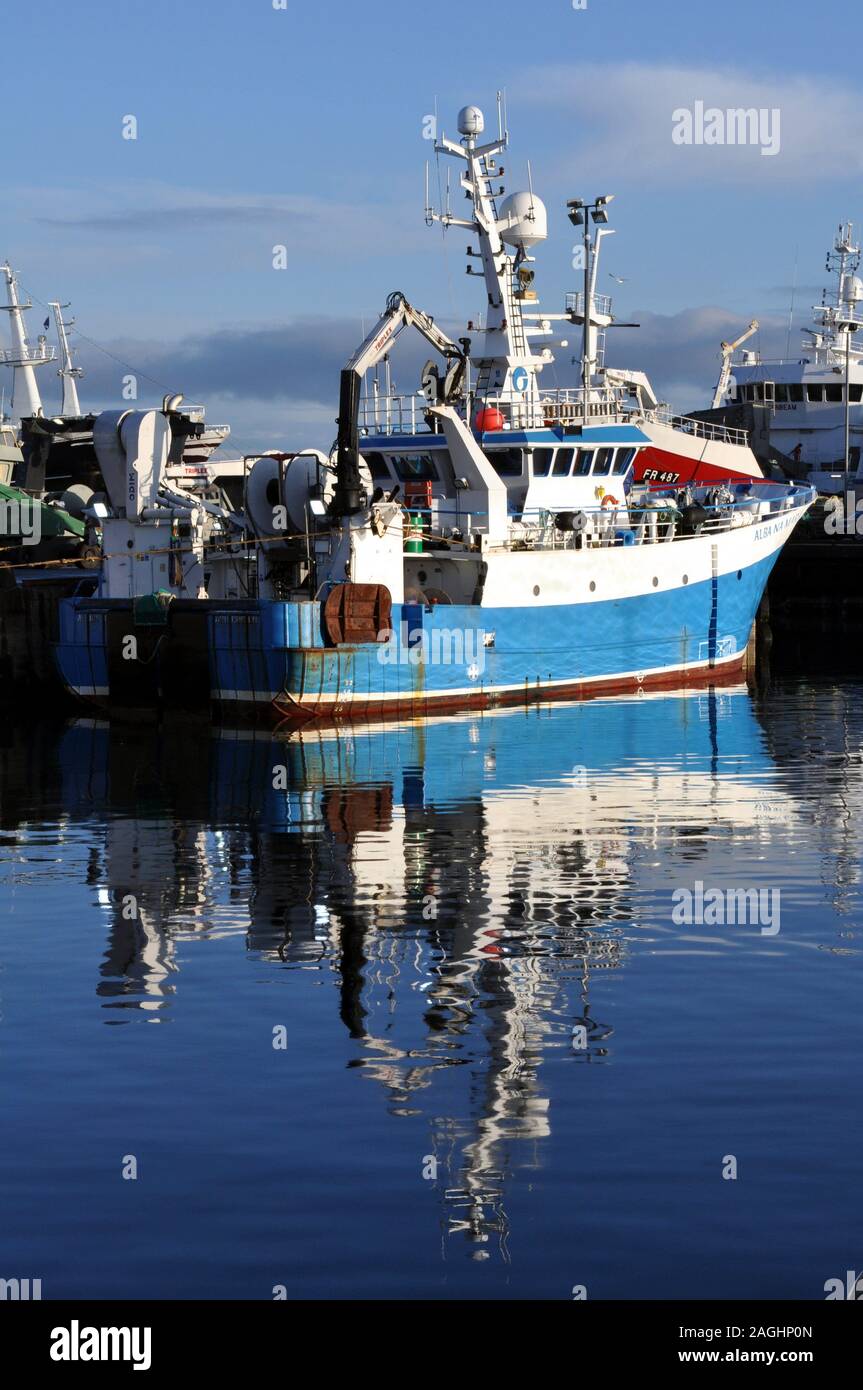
{"x":621,"y":279}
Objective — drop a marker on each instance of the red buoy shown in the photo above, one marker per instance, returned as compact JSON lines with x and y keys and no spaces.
{"x":489,"y":418}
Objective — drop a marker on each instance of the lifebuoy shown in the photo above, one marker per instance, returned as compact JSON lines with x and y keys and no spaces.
{"x":609,"y":501}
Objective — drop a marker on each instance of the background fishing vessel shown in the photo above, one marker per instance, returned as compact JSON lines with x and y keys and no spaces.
{"x":806,"y":412}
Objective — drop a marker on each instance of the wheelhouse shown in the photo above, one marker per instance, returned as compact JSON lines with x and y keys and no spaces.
{"x":554,"y":472}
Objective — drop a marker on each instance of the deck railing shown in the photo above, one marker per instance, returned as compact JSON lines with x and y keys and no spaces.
{"x":700,"y":429}
{"x":659,"y":520}
{"x":564,"y":406}
{"x":405,"y":414}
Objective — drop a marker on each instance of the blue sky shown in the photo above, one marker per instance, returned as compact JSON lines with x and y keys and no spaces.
{"x":303,"y":127}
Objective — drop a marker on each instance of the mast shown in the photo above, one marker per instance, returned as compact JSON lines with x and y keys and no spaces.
{"x":68,"y":372}
{"x":839,"y":321}
{"x":26,"y":399}
{"x":507,"y":367}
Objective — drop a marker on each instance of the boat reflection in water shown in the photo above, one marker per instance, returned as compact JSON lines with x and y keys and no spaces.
{"x":460,"y":881}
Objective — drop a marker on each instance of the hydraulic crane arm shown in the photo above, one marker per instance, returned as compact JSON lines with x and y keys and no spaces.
{"x":728,"y":350}
{"x":398,"y":314}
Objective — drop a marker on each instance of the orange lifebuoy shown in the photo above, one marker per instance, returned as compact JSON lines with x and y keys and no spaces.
{"x":609,"y":501}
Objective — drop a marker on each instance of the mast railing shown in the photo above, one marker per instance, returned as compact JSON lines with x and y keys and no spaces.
{"x":599,"y":304}
{"x":27,"y":357}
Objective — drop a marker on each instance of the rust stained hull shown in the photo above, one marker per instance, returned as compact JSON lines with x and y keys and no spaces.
{"x":308,"y":705}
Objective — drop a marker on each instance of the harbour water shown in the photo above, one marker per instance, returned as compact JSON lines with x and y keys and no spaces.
{"x":409,"y":1012}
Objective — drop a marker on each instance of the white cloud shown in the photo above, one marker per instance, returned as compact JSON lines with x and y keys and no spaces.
{"x":621,"y":122}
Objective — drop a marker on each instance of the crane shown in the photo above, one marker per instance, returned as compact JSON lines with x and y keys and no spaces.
{"x":398,"y":314}
{"x":728,"y":350}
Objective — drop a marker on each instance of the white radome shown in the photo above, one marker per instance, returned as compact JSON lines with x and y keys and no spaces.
{"x":471,"y":121}
{"x":531,"y":219}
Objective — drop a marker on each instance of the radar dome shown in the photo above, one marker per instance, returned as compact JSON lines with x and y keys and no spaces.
{"x":855,"y":289}
{"x":471,"y":121}
{"x":530,"y":220}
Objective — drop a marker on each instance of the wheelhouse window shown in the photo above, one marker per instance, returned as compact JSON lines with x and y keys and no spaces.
{"x":602,"y":466}
{"x":855,"y":393}
{"x":507,"y":463}
{"x":585,"y":463}
{"x":414,"y":468}
{"x":814,"y":393}
{"x":833,"y":394}
{"x":562,"y":463}
{"x":795,"y":392}
{"x":781,"y":393}
{"x":542,"y":462}
{"x":623,"y":460}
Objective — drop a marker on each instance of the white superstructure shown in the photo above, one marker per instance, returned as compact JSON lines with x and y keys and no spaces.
{"x":814,"y":401}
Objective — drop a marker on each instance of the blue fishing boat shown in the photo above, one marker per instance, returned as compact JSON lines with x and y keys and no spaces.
{"x":481,"y":542}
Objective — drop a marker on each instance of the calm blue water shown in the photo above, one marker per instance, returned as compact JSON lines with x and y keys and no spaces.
{"x":429,"y":911}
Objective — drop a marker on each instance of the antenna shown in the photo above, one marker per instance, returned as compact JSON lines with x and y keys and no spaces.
{"x":791,"y":305}
{"x":68,"y":371}
{"x":429,"y":219}
{"x":530,"y":187}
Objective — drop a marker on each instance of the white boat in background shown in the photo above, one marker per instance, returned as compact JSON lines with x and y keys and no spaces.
{"x":809,"y":408}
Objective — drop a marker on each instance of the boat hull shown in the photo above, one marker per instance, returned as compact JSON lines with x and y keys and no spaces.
{"x":662,"y":616}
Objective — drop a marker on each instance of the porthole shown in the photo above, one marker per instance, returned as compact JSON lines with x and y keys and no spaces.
{"x":740,"y":574}
{"x":686,"y":579}
{"x":422,"y":576}
{"x":536,"y":591}
{"x":655,"y":582}
{"x":593,"y":586}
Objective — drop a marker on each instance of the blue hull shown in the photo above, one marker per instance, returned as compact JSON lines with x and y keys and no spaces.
{"x":267,"y":656}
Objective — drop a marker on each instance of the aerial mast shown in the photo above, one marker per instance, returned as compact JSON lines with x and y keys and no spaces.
{"x":26,"y":400}
{"x":68,"y":372}
{"x":506,"y":365}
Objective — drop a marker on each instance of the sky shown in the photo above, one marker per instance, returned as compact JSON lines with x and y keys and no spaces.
{"x":264,"y":123}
